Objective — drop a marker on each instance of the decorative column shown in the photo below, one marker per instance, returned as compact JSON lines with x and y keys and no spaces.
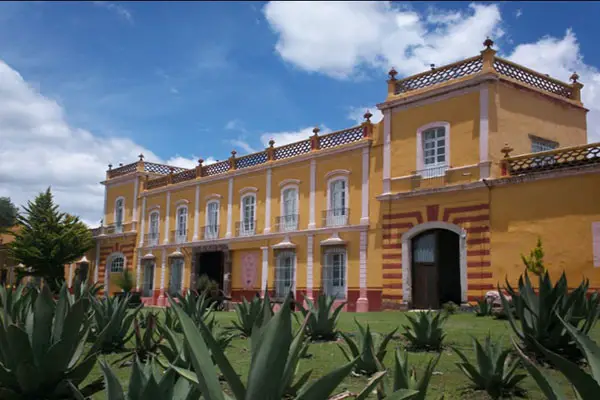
{"x":309,"y":266}
{"x":229,"y":208}
{"x":387,"y":150}
{"x":97,"y":265}
{"x":143,"y":223}
{"x":106,"y":279}
{"x":484,"y":127}
{"x":313,"y":185}
{"x":134,"y":217}
{"x":362,"y":304}
{"x":70,"y":276}
{"x":265,"y":270}
{"x":268,"y":203}
{"x":364,"y":218}
{"x":196,"y":213}
{"x":138,"y":271}
{"x":167,"y":212}
{"x":163,"y":270}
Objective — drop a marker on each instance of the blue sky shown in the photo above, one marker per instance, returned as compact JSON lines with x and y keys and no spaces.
{"x":102,"y":81}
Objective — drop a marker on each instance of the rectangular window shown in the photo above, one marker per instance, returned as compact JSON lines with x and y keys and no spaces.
{"x":290,"y":210}
{"x":119,"y":216}
{"x":248,"y":215}
{"x":181,"y":232}
{"x":434,"y":147}
{"x":148,"y":282}
{"x":539,"y":145}
{"x":212,"y":226}
{"x":153,"y":229}
{"x":338,"y":212}
{"x":176,"y":275}
{"x":334,"y":273}
{"x":284,"y":273}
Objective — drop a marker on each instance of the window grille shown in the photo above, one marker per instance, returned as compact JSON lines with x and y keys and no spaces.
{"x":334,"y":272}
{"x":116,"y":265}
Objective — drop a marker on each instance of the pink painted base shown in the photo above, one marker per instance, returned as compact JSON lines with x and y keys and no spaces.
{"x":362,"y":305}
{"x":162,"y":300}
{"x":148,"y":301}
{"x":337,"y":303}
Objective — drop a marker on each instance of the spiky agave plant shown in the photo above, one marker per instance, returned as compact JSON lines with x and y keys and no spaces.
{"x":112,"y":323}
{"x":426,"y":330}
{"x":370,"y":349}
{"x":197,"y":306}
{"x":145,"y":343}
{"x":483,"y":308}
{"x":494,"y":371}
{"x":251,"y":313}
{"x":405,"y":383}
{"x":322,"y":317}
{"x":45,"y":358}
{"x":17,"y":303}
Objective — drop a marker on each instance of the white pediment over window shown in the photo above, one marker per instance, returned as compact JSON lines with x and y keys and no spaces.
{"x":286,"y":243}
{"x":333,"y":240}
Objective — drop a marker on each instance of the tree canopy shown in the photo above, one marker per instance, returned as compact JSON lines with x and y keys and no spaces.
{"x":8,"y":214}
{"x":48,"y":239}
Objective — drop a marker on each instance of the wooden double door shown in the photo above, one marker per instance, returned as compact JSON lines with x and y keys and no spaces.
{"x":435,"y":269}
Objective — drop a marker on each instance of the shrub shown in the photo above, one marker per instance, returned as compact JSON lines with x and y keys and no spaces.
{"x":251,"y":313}
{"x":45,"y":359}
{"x":197,"y":306}
{"x":539,"y":314}
{"x":450,"y":308}
{"x":125,"y":281}
{"x":494,"y":371}
{"x":483,"y":308}
{"x":370,"y":349}
{"x":322,"y":318}
{"x":405,"y":384}
{"x":535,"y":261}
{"x":586,"y":384}
{"x":425,"y":331}
{"x":112,"y":321}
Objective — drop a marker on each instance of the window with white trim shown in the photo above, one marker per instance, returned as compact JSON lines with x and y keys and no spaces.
{"x":181,"y":231}
{"x":334,"y":272}
{"x":176,"y":276}
{"x":153,"y":228}
{"x":538,"y":145}
{"x":247,"y":226}
{"x":212,"y":220}
{"x":284,"y":273}
{"x":434,"y":148}
{"x":338,"y":202}
{"x":117,"y":264}
{"x":289,"y":217}
{"x":119,"y":211}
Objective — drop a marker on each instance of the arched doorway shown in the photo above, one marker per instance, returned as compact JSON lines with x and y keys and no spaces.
{"x":434,"y":265}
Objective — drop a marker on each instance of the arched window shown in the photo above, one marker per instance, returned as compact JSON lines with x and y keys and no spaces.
{"x":117,"y":263}
{"x":181,"y":224}
{"x":289,"y":209}
{"x":284,"y":273}
{"x":334,"y":272}
{"x":248,"y":222}
{"x":433,"y":149}
{"x":337,"y":214}
{"x":119,"y":213}
{"x":153,"y":229}
{"x":211,"y":231}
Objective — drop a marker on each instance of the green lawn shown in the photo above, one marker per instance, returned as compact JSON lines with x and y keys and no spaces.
{"x":448,"y":380}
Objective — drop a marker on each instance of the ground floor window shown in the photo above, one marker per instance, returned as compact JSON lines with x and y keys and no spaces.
{"x":334,"y":272}
{"x":175,"y":277}
{"x":148,"y":280}
{"x":284,"y":273}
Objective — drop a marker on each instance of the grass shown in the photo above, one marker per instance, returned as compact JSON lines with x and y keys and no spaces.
{"x":448,"y":379}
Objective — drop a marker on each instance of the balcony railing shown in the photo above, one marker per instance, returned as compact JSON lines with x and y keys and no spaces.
{"x":287,"y":223}
{"x":437,"y":171}
{"x":565,"y":158}
{"x":336,"y":217}
{"x":151,"y":239}
{"x":178,"y":236}
{"x":245,"y":228}
{"x":113,"y":229}
{"x":210,"y":232}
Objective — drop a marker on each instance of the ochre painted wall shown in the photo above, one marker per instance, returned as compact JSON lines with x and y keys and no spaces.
{"x":113,"y":192}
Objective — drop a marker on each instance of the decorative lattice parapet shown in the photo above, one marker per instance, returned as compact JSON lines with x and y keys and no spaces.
{"x":251,"y":160}
{"x":292,"y":150}
{"x":342,"y":137}
{"x":216,"y":168}
{"x":123,"y":170}
{"x":568,"y":157}
{"x":161,"y":169}
{"x":185,"y":175}
{"x":158,"y":182}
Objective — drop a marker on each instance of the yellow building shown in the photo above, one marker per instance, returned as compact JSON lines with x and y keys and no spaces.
{"x":472,"y":162}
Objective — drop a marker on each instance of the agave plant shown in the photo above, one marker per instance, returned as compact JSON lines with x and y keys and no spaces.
{"x":586,"y":384}
{"x":426,"y":330}
{"x":146,"y":343}
{"x":322,"y":321}
{"x":251,"y":313}
{"x":147,"y":382}
{"x":370,"y":349}
{"x":17,"y":303}
{"x":270,"y":363}
{"x":45,"y":358}
{"x":112,"y":322}
{"x":494,"y":371}
{"x":197,"y":306}
{"x":484,"y":308}
{"x":405,"y":384}
{"x":539,"y":314}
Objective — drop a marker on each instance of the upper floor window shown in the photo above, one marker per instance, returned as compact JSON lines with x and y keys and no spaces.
{"x":119,"y":212}
{"x":247,"y":226}
{"x":181,"y":225}
{"x":433,"y":149}
{"x":153,"y":228}
{"x":539,"y":144}
{"x":211,"y":231}
{"x":117,"y":264}
{"x":289,"y":209}
{"x":338,"y":202}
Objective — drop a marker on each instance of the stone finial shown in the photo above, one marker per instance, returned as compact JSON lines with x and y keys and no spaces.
{"x":574,"y":77}
{"x":488,"y":43}
{"x":316,"y":130}
{"x":432,"y":66}
{"x":271,"y":143}
{"x":200,"y":161}
{"x":506,"y":150}
{"x":368,"y":116}
{"x":109,"y":167}
{"x":392,"y":74}
{"x":141,"y":157}
{"x":233,"y":153}
{"x":120,"y":164}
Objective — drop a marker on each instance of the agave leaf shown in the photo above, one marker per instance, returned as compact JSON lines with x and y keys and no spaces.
{"x":42,"y":324}
{"x":113,"y":386}
{"x":589,"y":348}
{"x":351,"y":345}
{"x":325,"y":385}
{"x":62,"y":307}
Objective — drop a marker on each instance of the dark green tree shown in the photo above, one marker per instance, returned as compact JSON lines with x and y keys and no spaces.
{"x":48,"y":239}
{"x":8,"y":214}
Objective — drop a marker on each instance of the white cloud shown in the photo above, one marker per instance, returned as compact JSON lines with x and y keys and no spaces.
{"x":356,"y":114}
{"x":116,"y":8}
{"x":243,"y":145}
{"x":283,"y":138}
{"x":518,"y":13}
{"x":40,"y":149}
{"x":337,"y":38}
{"x":234,"y":124}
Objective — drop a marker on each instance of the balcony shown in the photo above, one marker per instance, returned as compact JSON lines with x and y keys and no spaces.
{"x":113,"y":229}
{"x":245,"y":228}
{"x":178,"y":236}
{"x":210,"y":232}
{"x":151,"y":239}
{"x":287,"y":223}
{"x":335,"y":217}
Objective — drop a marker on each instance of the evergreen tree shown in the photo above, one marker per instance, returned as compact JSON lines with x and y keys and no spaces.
{"x":48,"y":239}
{"x":8,"y":214}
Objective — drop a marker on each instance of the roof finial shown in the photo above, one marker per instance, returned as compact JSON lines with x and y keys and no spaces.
{"x":316,"y":130}
{"x":141,"y":157}
{"x":368,"y":116}
{"x":574,"y":77}
{"x":200,"y":161}
{"x":271,"y":143}
{"x":233,"y":153}
{"x":432,"y":66}
{"x":393,"y":74}
{"x":488,"y":43}
{"x":109,"y":167}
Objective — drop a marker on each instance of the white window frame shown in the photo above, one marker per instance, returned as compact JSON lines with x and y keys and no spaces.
{"x":541,"y":142}
{"x":288,"y":224}
{"x":437,"y":169}
{"x":251,"y":230}
{"x":211,"y":234}
{"x":280,"y":254}
{"x":181,"y":237}
{"x":181,"y":262}
{"x":119,"y":224}
{"x":327,"y":287}
{"x":111,"y":258}
{"x":145,"y":289}
{"x":153,"y":241}
{"x":342,"y":219}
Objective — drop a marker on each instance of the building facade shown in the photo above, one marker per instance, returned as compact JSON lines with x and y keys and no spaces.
{"x":472,"y":162}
